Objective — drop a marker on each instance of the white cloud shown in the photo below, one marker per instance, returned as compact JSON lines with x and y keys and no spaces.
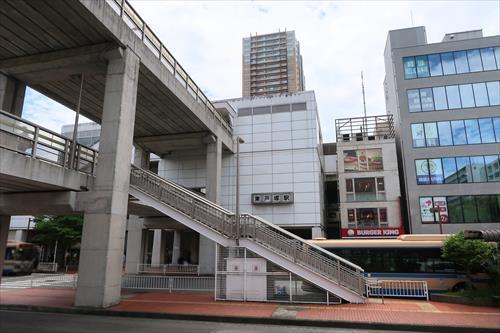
{"x":338,"y":40}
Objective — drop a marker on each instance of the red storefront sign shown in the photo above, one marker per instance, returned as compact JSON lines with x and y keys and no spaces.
{"x":371,"y":232}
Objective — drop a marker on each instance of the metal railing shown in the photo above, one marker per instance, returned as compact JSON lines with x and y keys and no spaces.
{"x":25,"y":137}
{"x":65,"y":281}
{"x":168,"y":269}
{"x":397,"y":288}
{"x":170,"y":283}
{"x":130,"y":16}
{"x":287,"y":245}
{"x":47,"y":266}
{"x":365,"y":128}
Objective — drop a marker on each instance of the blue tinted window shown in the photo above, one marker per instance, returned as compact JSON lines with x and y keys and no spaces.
{"x":496,"y":126}
{"x":431,"y":135}
{"x":461,"y":62}
{"x":422,"y":172}
{"x":474,"y":60}
{"x":414,"y":101}
{"x":444,"y":130}
{"x":417,"y":133}
{"x":453,"y":97}
{"x":480,"y":94}
{"x":487,"y":132}
{"x":497,"y":56}
{"x":492,"y":168}
{"x":448,"y":63}
{"x":449,"y":170}
{"x":467,"y":96}
{"x":409,"y":68}
{"x":458,"y":130}
{"x":435,"y":171}
{"x":472,"y":129}
{"x":426,"y":99}
{"x":435,"y":65}
{"x":422,"y":66}
{"x":478,"y":169}
{"x":488,"y":57}
{"x":440,"y":102}
{"x":464,"y":173}
{"x":493,"y":92}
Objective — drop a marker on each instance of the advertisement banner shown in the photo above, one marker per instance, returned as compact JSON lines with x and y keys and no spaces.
{"x":371,"y":232}
{"x":363,"y":160}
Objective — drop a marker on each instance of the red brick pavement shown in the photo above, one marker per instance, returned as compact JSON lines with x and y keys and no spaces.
{"x":392,"y":312}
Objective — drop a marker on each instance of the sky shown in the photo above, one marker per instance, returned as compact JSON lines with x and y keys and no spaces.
{"x":338,"y":40}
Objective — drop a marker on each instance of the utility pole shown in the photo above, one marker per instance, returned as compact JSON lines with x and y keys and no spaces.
{"x":75,"y":128}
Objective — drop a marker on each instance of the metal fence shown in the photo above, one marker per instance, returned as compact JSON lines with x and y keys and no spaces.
{"x":64,"y":281}
{"x":168,"y":269}
{"x":365,"y":128}
{"x":397,"y":289}
{"x":170,"y":283}
{"x":47,"y":266}
{"x":142,"y":30}
{"x":27,"y":138}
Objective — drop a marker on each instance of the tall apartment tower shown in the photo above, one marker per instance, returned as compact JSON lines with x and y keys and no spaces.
{"x":272,"y":64}
{"x":445,"y":99}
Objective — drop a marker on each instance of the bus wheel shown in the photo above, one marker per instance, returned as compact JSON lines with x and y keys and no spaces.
{"x":459,"y":287}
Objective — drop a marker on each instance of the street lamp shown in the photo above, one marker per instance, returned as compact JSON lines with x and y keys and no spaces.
{"x":238,"y":141}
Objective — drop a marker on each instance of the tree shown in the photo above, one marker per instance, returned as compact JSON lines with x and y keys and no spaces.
{"x":473,"y":255}
{"x":66,"y":230}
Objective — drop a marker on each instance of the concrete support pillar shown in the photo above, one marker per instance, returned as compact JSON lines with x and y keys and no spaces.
{"x":105,"y":217}
{"x":12,"y":94}
{"x":176,"y":248}
{"x":4,"y":233}
{"x":134,"y":244}
{"x":141,"y":157}
{"x":158,"y":254}
{"x":21,"y":235}
{"x":214,"y":168}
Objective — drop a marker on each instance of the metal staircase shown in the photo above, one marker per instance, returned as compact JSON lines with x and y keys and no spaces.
{"x":320,"y":267}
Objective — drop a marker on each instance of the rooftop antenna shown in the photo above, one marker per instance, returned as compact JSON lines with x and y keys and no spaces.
{"x":411,"y":18}
{"x":363,"y":91}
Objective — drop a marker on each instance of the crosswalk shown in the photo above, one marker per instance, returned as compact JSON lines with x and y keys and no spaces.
{"x":39,"y":281}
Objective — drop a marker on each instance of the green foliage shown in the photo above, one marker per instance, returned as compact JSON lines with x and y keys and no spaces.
{"x":67,"y":230}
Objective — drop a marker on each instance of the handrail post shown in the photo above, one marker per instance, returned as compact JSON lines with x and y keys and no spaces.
{"x":35,"y":142}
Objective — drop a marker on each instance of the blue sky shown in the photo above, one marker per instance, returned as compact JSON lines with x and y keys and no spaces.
{"x":338,"y":41}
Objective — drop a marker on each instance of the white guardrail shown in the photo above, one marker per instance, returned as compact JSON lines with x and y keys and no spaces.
{"x":168,"y":269}
{"x":47,"y":266}
{"x":397,"y":289}
{"x":170,"y":283}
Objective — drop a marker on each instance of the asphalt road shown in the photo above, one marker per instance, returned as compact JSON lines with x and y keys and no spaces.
{"x":28,"y":322}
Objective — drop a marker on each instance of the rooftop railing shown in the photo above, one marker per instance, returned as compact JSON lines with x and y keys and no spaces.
{"x":365,"y":128}
{"x":142,"y":30}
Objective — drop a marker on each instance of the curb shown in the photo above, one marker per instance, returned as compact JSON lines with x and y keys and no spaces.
{"x":250,"y":320}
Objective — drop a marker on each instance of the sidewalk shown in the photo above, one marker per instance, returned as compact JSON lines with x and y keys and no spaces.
{"x":394,"y":314}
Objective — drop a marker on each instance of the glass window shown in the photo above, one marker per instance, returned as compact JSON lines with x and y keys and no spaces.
{"x":435,"y":65}
{"x":422,"y":171}
{"x":461,"y":62}
{"x":365,"y":189}
{"x":496,"y":126}
{"x":380,"y":185}
{"x":435,"y":171}
{"x":488,"y":58}
{"x":478,"y":169}
{"x":426,"y":99}
{"x":497,"y":56}
{"x":480,"y":94}
{"x":493,"y":92}
{"x":467,"y":96}
{"x":448,"y":63}
{"x":474,"y":60}
{"x":453,"y":97}
{"x":350,"y":215}
{"x":469,"y":209}
{"x":487,"y":132}
{"x":485,"y":213}
{"x":409,"y":68}
{"x":492,"y":168}
{"x":414,"y":100}
{"x":440,"y":98}
{"x":367,"y":217}
{"x":426,"y":209}
{"x":440,"y":209}
{"x":348,"y":185}
{"x":449,"y":170}
{"x":444,"y":131}
{"x":455,"y":210}
{"x":464,"y":174}
{"x":422,"y":66}
{"x":458,"y":130}
{"x":472,"y":129}
{"x":417,"y":133}
{"x":431,"y":135}
{"x":383,"y":214}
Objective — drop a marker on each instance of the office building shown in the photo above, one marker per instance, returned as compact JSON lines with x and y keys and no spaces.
{"x":272,"y":64}
{"x":369,"y":190}
{"x":445,"y":99}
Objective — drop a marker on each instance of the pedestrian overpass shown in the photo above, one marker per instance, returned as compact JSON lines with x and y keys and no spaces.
{"x":99,"y":57}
